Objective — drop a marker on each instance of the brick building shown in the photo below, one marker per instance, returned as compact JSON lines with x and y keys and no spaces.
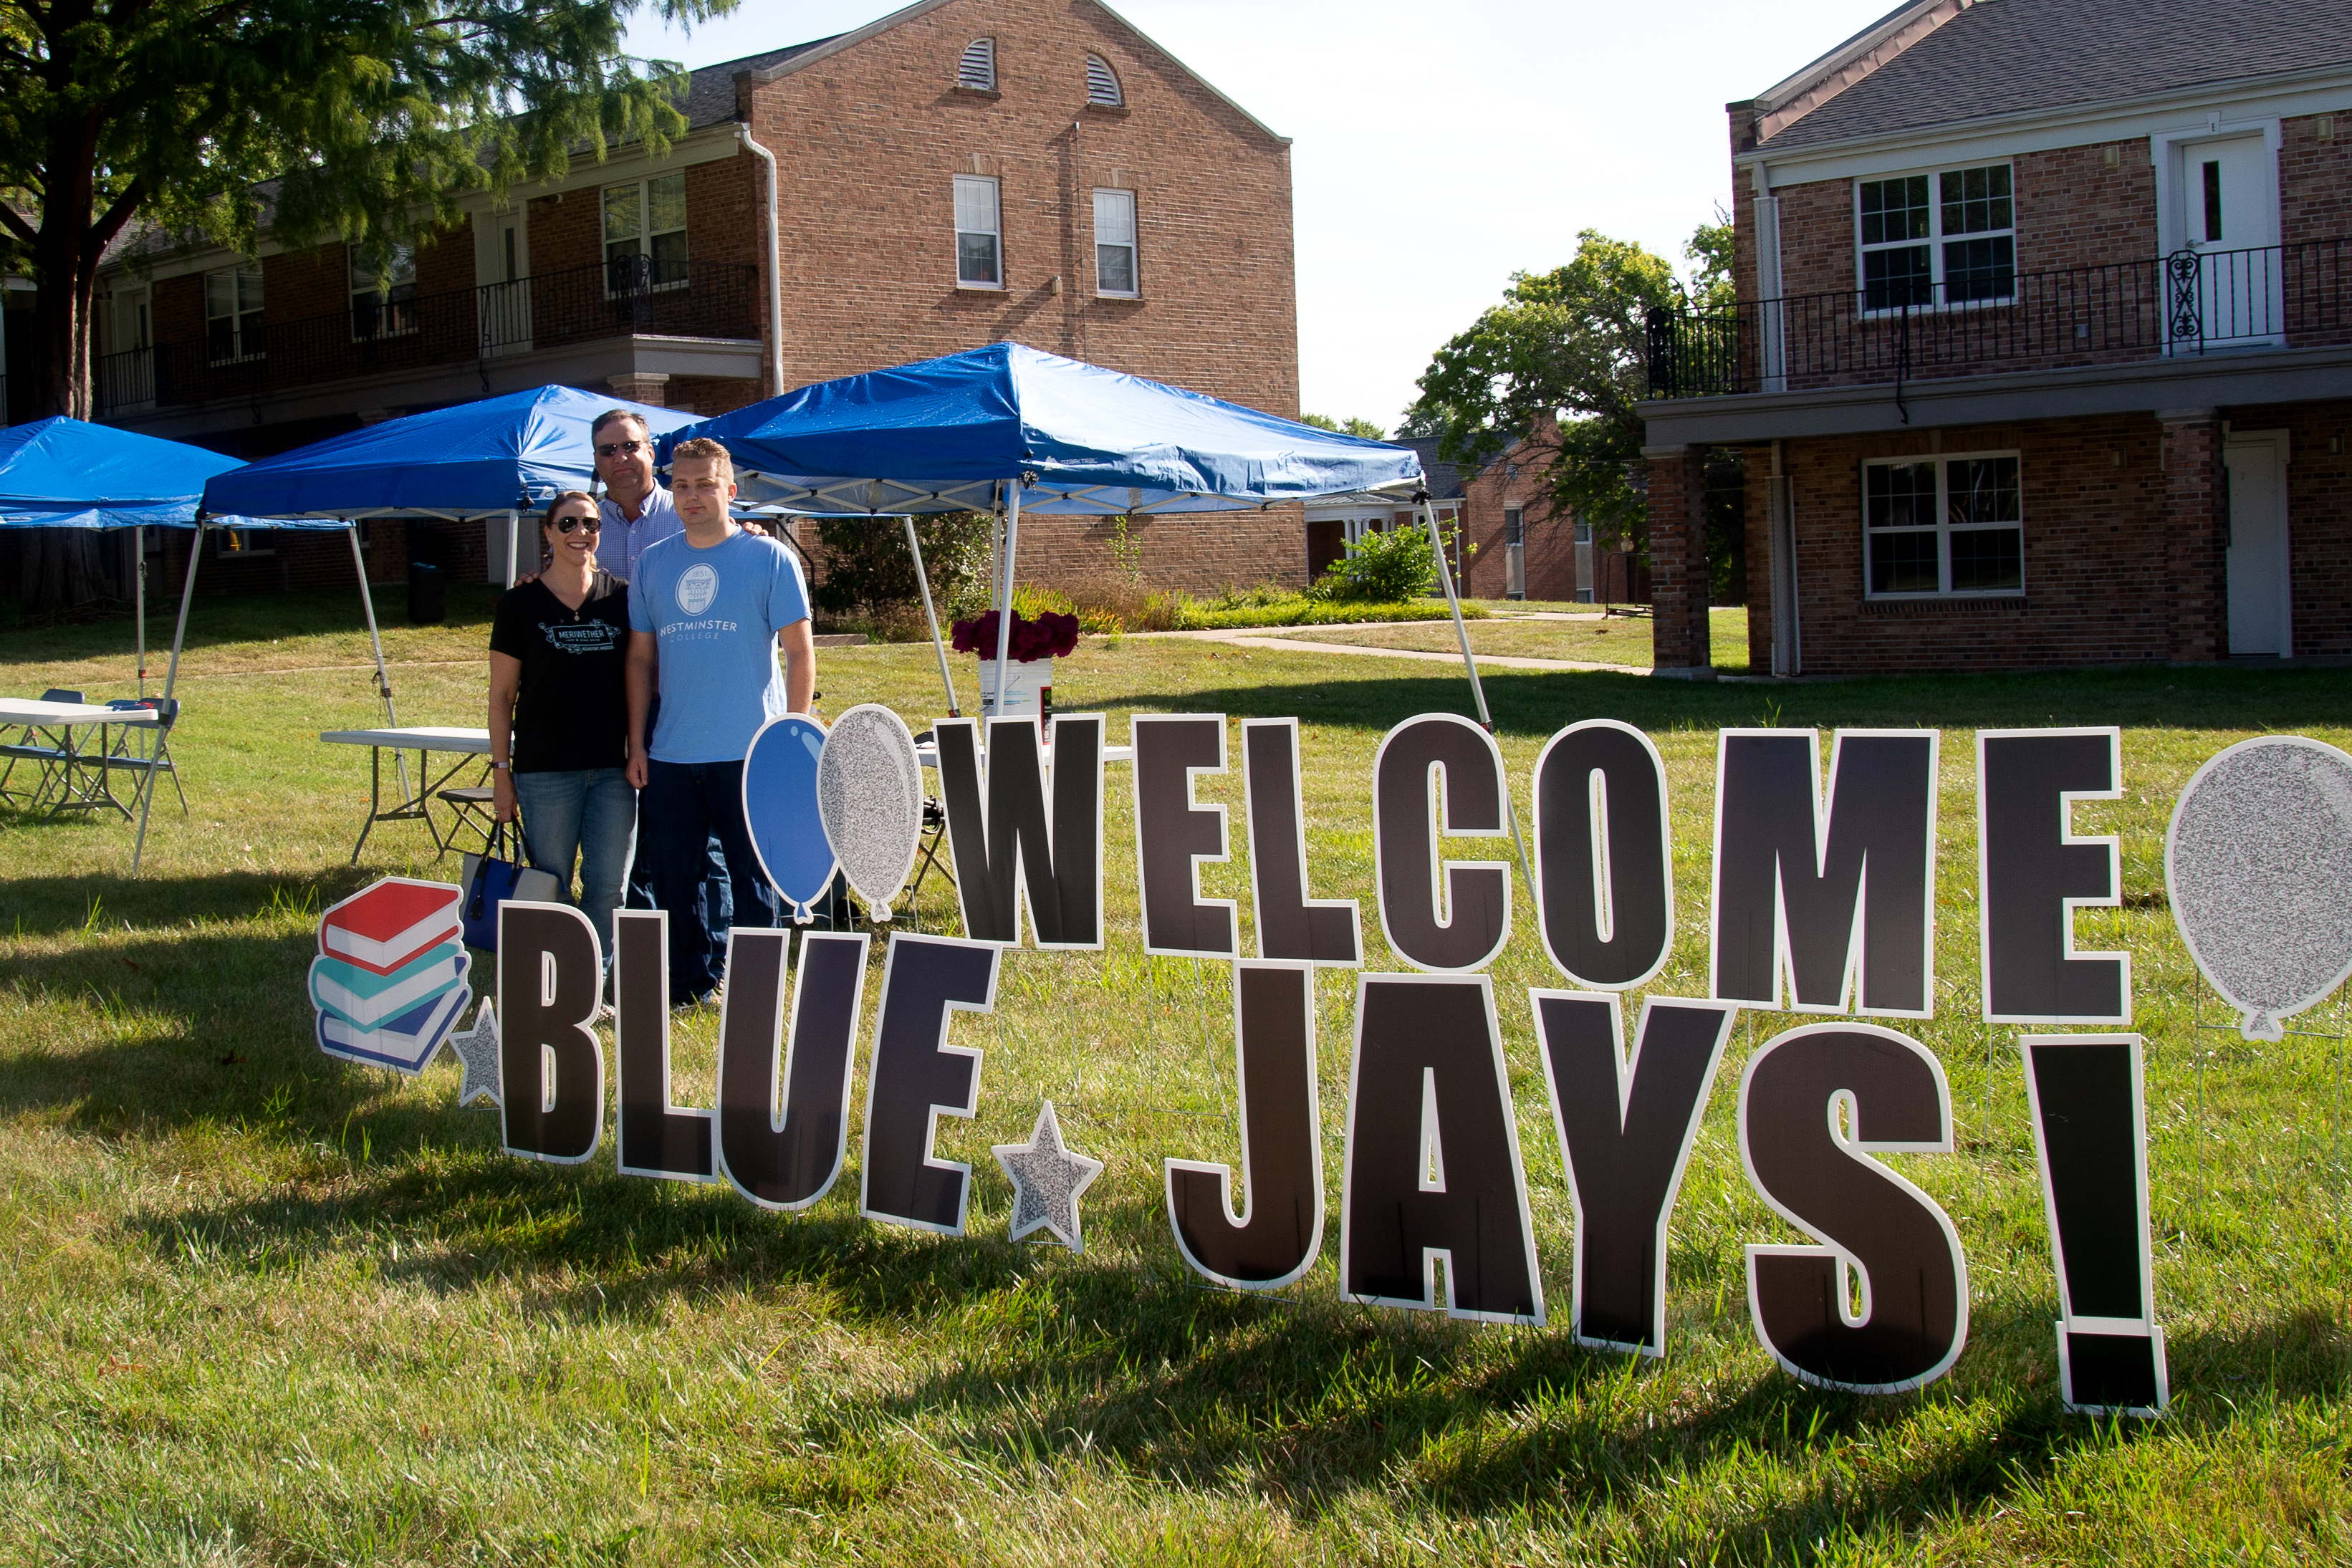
{"x":2043,"y":353}
{"x":958,"y":172}
{"x":1509,"y":544}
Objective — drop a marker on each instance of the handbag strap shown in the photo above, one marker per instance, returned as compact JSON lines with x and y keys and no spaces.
{"x":495,"y":849}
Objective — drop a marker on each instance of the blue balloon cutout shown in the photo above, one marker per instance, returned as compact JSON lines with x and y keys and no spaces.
{"x":780,"y":806}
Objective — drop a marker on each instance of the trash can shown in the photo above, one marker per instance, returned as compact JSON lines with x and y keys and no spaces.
{"x":428,"y":594}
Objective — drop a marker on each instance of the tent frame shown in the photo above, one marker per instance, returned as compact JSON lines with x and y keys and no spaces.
{"x":350,"y":527}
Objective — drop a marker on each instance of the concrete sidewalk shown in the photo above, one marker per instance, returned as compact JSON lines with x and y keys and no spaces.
{"x":1281,"y":644}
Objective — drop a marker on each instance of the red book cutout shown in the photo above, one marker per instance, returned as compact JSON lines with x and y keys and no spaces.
{"x":391,"y":923}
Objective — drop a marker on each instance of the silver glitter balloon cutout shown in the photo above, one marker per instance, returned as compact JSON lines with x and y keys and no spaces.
{"x":869,"y":795}
{"x":2258,"y":866}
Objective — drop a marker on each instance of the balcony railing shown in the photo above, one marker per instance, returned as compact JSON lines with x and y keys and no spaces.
{"x":467,"y":326}
{"x":2191,"y":302}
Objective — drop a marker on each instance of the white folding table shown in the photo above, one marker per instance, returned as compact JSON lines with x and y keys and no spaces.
{"x":464,"y":744}
{"x":79,"y":789}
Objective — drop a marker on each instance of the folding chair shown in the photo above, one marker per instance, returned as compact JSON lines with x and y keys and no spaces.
{"x":33,"y":747}
{"x":126,"y":756}
{"x":934,"y":830}
{"x":476,"y":808}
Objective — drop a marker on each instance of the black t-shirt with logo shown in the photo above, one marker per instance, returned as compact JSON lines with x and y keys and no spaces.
{"x":573,"y":711}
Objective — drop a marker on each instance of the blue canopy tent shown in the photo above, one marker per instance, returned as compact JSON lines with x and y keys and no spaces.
{"x":61,"y":473}
{"x":497,"y":457}
{"x":1008,"y":429}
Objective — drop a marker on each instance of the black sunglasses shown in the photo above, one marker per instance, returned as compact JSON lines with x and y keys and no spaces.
{"x":621,"y":448}
{"x":565,"y":525}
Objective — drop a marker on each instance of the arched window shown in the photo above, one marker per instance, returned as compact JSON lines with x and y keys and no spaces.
{"x":977,"y":71}
{"x":1102,"y":83}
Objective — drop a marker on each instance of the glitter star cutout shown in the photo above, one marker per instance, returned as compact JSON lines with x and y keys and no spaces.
{"x":477,"y":1049}
{"x":1046,"y":1181}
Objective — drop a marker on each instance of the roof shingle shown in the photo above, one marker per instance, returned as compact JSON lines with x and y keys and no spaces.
{"x":2006,"y":56}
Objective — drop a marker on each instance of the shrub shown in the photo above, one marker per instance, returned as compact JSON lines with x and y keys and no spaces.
{"x":1393,"y":567}
{"x":867,"y":573}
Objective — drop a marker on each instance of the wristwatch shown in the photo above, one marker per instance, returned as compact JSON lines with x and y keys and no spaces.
{"x":503,"y":766}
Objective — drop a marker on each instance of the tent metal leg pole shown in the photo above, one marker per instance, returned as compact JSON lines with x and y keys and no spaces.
{"x":382,"y":681}
{"x":514,"y":543}
{"x":1470,"y":663}
{"x":187,"y":595}
{"x":1004,"y":603}
{"x":139,"y":600}
{"x":179,"y":636}
{"x":923,"y":581}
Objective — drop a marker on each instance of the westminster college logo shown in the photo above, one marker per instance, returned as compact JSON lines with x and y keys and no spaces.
{"x":696,"y":587}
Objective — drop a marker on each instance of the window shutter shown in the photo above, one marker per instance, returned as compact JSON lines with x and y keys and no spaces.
{"x":1102,"y":83}
{"x":978,"y":69}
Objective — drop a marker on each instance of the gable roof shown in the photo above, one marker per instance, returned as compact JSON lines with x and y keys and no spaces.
{"x":709,"y":96}
{"x":1942,"y":62}
{"x":809,"y":54}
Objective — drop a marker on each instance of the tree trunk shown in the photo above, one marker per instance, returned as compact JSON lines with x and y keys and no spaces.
{"x":65,"y":567}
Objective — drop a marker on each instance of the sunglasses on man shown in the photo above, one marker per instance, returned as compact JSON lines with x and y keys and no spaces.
{"x":565,"y":525}
{"x":620,"y":448}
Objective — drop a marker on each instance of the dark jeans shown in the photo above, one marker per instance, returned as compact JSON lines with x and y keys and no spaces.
{"x":686,"y":804}
{"x":716,"y":908}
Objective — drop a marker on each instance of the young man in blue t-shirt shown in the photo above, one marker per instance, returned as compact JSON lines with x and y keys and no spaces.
{"x":708,"y":610}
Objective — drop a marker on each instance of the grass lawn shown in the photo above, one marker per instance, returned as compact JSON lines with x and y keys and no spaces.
{"x":1618,"y":640}
{"x":267,"y":1308}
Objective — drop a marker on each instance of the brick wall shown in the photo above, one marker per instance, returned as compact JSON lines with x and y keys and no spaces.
{"x":869,"y":142}
{"x":1516,"y":479}
{"x":2073,"y":208}
{"x":567,"y":231}
{"x":2314,"y":179}
{"x":2074,"y":211}
{"x":2099,"y":585}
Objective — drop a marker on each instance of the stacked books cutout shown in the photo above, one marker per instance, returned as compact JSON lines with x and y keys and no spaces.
{"x":389,"y":978}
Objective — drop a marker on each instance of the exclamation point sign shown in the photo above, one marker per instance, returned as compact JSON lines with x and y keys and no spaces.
{"x":2090,"y":1135}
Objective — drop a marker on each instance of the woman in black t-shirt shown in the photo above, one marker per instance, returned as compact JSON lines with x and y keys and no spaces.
{"x":560,"y":716}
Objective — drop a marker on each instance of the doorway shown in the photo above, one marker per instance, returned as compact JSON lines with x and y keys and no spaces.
{"x":502,"y":281}
{"x":2259,"y":574}
{"x":2226,"y":192}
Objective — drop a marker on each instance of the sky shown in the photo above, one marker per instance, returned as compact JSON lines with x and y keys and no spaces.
{"x":1436,"y":148}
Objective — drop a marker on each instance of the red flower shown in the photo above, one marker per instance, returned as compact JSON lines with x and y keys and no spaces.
{"x":1047,"y":637}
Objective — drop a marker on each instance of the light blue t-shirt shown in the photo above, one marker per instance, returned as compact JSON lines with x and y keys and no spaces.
{"x":715,"y":612}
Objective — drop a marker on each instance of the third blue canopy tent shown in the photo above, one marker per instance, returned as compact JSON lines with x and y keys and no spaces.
{"x":1008,"y":429}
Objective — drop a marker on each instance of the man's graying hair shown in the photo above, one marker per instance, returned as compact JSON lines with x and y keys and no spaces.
{"x":610,"y":414}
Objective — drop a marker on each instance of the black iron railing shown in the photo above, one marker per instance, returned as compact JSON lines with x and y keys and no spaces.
{"x":2191,"y":302}
{"x":580,"y":304}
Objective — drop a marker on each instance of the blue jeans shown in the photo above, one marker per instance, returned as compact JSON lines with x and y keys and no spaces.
{"x":591,"y":813}
{"x":686,"y":804}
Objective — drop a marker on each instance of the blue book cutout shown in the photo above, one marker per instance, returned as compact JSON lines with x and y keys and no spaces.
{"x":405,"y":1043}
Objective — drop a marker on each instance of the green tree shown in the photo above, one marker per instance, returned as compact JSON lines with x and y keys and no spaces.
{"x":1558,"y":365}
{"x":366,"y":120}
{"x":1351,"y":425}
{"x":1710,"y":252}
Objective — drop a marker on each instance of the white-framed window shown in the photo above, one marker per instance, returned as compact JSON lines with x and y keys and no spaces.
{"x":233,"y":315}
{"x":1115,"y":244}
{"x":1943,"y":525}
{"x":383,"y":291}
{"x":979,"y":233}
{"x":1102,"y":84}
{"x":1948,"y":237}
{"x":977,"y":68}
{"x":645,"y":235}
